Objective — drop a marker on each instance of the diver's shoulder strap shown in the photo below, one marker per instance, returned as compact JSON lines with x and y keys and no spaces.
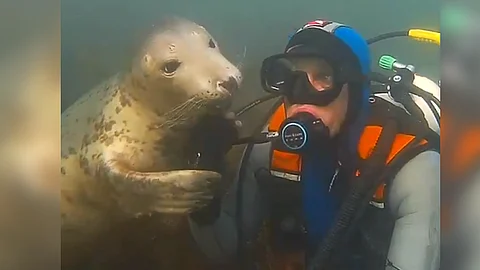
{"x":424,"y":108}
{"x":410,"y":139}
{"x":410,"y":125}
{"x":279,"y":115}
{"x":381,"y":146}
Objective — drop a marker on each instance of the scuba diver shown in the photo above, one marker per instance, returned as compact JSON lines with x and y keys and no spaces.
{"x":340,"y":178}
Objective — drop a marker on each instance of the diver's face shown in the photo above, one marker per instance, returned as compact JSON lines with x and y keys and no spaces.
{"x":320,"y":76}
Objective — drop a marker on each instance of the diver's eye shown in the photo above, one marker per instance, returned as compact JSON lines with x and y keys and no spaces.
{"x":212,"y":44}
{"x":170,"y":67}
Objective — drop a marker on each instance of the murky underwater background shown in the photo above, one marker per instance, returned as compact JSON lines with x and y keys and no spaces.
{"x":99,"y":37}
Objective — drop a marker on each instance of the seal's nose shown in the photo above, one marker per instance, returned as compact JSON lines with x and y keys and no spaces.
{"x":231,"y":85}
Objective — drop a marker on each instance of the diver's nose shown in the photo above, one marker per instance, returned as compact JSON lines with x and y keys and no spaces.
{"x":231,"y":85}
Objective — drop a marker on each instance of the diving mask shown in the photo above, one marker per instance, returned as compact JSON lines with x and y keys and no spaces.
{"x":302,"y":79}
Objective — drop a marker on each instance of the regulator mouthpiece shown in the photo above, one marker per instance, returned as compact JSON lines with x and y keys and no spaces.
{"x":303,"y":131}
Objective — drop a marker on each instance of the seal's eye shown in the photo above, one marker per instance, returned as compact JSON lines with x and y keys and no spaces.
{"x":212,"y":44}
{"x":170,"y":67}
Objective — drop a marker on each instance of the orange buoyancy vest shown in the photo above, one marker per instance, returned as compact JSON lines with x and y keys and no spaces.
{"x":288,"y":165}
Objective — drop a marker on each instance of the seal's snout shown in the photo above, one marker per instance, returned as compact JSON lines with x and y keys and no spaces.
{"x":231,"y":85}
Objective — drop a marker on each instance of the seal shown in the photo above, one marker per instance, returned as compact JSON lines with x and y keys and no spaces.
{"x":124,"y":142}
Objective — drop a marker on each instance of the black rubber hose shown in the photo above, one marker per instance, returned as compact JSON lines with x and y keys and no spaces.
{"x":434,"y":111}
{"x":436,"y":101}
{"x":387,"y":36}
{"x":242,"y":260}
{"x":255,"y":103}
{"x":378,"y":77}
{"x":428,"y":97}
{"x":347,"y":211}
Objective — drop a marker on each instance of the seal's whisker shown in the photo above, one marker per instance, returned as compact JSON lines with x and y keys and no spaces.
{"x":180,"y":108}
{"x":184,"y":113}
{"x":241,"y":63}
{"x":180,"y":114}
{"x":182,"y":105}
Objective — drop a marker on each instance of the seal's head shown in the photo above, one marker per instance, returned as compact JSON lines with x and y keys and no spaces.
{"x":181,"y":66}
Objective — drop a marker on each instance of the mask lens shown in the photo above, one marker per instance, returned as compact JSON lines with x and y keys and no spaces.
{"x":278,"y":73}
{"x":319,"y":72}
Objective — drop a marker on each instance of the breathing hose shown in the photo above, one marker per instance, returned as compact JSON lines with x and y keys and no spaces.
{"x":421,"y":35}
{"x":255,"y":103}
{"x":241,"y":176}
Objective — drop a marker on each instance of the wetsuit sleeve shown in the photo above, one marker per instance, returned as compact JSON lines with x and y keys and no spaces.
{"x":414,"y":200}
{"x":218,"y":241}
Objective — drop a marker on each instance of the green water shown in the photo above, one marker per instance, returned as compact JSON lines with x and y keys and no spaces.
{"x":99,"y":36}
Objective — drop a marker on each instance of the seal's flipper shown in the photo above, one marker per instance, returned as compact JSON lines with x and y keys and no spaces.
{"x":172,"y":192}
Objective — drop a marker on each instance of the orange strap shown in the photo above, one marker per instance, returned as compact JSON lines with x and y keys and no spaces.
{"x":277,"y":118}
{"x":369,"y":139}
{"x":380,"y":193}
{"x":286,"y":162}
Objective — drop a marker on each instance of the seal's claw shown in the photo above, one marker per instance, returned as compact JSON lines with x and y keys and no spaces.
{"x":173,"y":192}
